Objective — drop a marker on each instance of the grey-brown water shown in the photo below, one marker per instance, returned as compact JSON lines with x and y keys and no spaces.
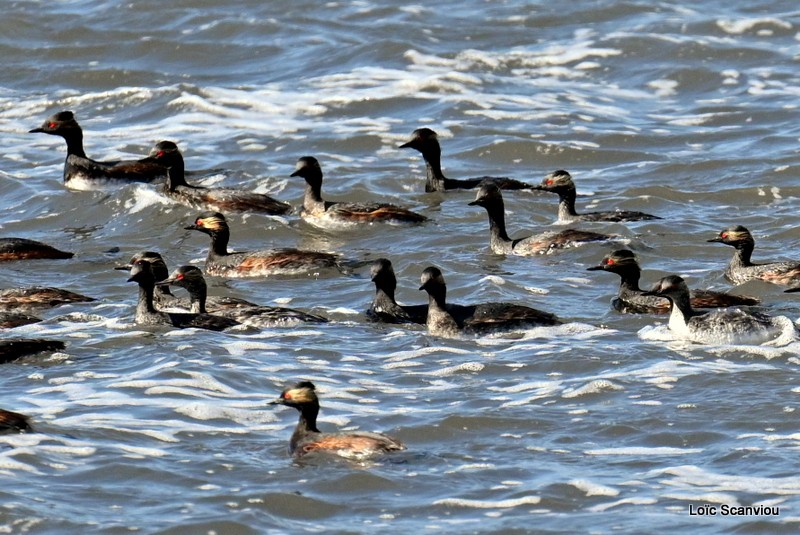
{"x":682,"y":110}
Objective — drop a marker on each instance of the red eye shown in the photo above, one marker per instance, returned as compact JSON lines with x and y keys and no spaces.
{"x":723,"y":235}
{"x":160,"y":154}
{"x":199,"y":222}
{"x":52,"y":125}
{"x":179,"y":277}
{"x":549,"y":182}
{"x":610,"y":262}
{"x":286,"y":395}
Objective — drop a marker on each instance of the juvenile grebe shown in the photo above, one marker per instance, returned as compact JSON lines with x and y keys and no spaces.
{"x":83,"y":173}
{"x":176,"y":188}
{"x":486,"y":318}
{"x":24,"y":249}
{"x":221,"y":263}
{"x":560,"y":182}
{"x":146,"y":314}
{"x":308,"y":439}
{"x":741,"y":269}
{"x":426,"y":141}
{"x":718,"y":326}
{"x":191,"y":279}
{"x":328,"y":214}
{"x":14,"y":422}
{"x":631,"y":298}
{"x":16,"y":348}
{"x":491,"y":199}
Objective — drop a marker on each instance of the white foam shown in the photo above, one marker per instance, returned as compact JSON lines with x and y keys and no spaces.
{"x":593,"y":489}
{"x":641,"y":451}
{"x":488,"y":504}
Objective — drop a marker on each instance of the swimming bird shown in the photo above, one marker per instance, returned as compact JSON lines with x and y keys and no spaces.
{"x":426,"y":141}
{"x":176,"y":188}
{"x":560,"y":182}
{"x":191,"y":279}
{"x":14,"y":422}
{"x":741,"y":269}
{"x":491,"y":199}
{"x":146,"y":314}
{"x":329,"y":214}
{"x":24,"y":249}
{"x":15,"y":348}
{"x":631,"y":299}
{"x":286,"y":261}
{"x":307,"y":439}
{"x":83,"y":173}
{"x":384,"y":308}
{"x":37,"y":298}
{"x":486,"y":318}
{"x":718,"y":326}
{"x":9,"y":320}
{"x":163,"y":298}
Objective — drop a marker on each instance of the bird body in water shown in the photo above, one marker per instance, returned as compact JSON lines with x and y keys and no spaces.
{"x":307,"y":439}
{"x":490,"y":198}
{"x":176,"y":188}
{"x":146,"y":314}
{"x":631,"y":299}
{"x":191,"y":279}
{"x":37,"y":298}
{"x":328,"y":214}
{"x":718,"y":326}
{"x":83,"y":173}
{"x":486,"y":318}
{"x":560,"y":182}
{"x":426,"y":142}
{"x":25,"y":249}
{"x":14,"y":422}
{"x":285,"y":261}
{"x":15,"y":348}
{"x":742,"y":269}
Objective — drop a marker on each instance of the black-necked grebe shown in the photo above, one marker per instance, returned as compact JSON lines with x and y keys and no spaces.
{"x":741,"y":269}
{"x":191,"y":279}
{"x":286,"y":261}
{"x":16,"y":348}
{"x":328,"y":214}
{"x":718,"y":326}
{"x":14,"y":422}
{"x":308,"y":439}
{"x":38,"y":298}
{"x":163,"y":297}
{"x":384,"y":308}
{"x":83,"y":173}
{"x":631,"y":299}
{"x":426,"y":141}
{"x":486,"y":318}
{"x":9,"y":320}
{"x":218,"y":199}
{"x":146,"y":314}
{"x":24,"y":249}
{"x":560,"y":182}
{"x":491,"y":199}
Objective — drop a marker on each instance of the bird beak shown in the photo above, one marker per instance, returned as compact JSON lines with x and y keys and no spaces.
{"x":296,"y":173}
{"x":126,"y":267}
{"x":192,"y":227}
{"x":474,"y":203}
{"x":715,"y":240}
{"x":166,"y":282}
{"x":596,"y":268}
{"x":36,"y":130}
{"x":792,"y":290}
{"x":406,"y":145}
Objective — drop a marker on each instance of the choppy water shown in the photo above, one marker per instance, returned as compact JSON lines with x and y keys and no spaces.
{"x":687,"y":111}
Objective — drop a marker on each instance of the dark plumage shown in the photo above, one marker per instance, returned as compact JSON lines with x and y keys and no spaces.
{"x":328,"y":214}
{"x":384,"y":308}
{"x":631,"y":299}
{"x":146,"y":314}
{"x":560,"y":182}
{"x":491,"y":199}
{"x":36,"y":298}
{"x":741,"y":269}
{"x":426,"y":141}
{"x":9,"y":320}
{"x":486,"y":318}
{"x":191,"y":279}
{"x":24,"y":249}
{"x":176,"y":188}
{"x":306,"y":438}
{"x":16,"y":348}
{"x":81,"y":172}
{"x":220,"y":262}
{"x":14,"y":422}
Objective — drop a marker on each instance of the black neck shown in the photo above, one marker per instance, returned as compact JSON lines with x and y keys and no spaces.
{"x":497,"y":221}
{"x":74,"y":139}
{"x":566,"y":201}
{"x":145,"y":303}
{"x":175,"y":176}
{"x":219,"y":241}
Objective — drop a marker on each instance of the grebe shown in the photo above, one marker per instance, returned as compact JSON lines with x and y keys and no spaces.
{"x":741,"y":269}
{"x":308,"y":439}
{"x":24,"y":249}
